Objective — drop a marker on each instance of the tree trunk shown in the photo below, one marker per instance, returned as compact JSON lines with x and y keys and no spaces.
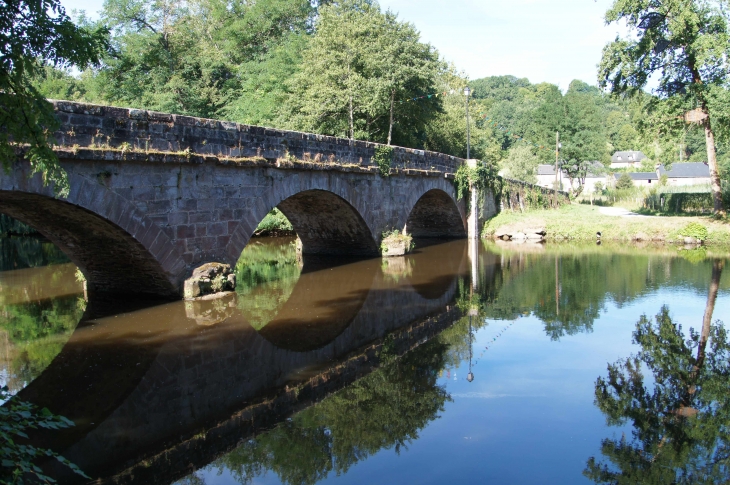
{"x":717,"y":266}
{"x":390,"y":126}
{"x":352,"y":122}
{"x":709,"y":141}
{"x":712,"y":162}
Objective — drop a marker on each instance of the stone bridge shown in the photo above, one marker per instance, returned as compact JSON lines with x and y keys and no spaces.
{"x":155,"y":195}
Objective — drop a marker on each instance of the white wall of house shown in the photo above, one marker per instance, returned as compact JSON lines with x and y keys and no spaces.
{"x":682,"y":181}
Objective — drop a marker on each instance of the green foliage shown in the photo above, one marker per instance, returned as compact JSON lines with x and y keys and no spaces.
{"x":398,"y":237}
{"x":274,"y":221}
{"x":357,"y":67}
{"x":686,"y":199}
{"x":10,"y":226}
{"x":624,"y":182}
{"x":384,"y":410}
{"x":266,"y":274}
{"x":598,"y":187}
{"x":383,"y":158}
{"x":483,"y":177}
{"x":695,"y":230}
{"x":28,"y":252}
{"x":521,"y":164}
{"x":16,"y":457}
{"x":33,"y":31}
{"x":678,"y":412}
{"x":684,"y":45}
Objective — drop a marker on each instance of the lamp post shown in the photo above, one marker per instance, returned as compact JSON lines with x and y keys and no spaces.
{"x":467,"y":93}
{"x":472,"y":312}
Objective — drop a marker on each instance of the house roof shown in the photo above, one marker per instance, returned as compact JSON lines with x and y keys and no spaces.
{"x":597,"y":169}
{"x":546,"y":169}
{"x":686,"y":170}
{"x":628,"y":156}
{"x":639,"y":175}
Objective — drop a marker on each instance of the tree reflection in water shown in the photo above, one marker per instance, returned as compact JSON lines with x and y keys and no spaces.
{"x":266,"y":274}
{"x":384,"y":410}
{"x":681,"y":416}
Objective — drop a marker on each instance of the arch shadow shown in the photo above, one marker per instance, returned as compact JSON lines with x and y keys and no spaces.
{"x":111,"y":259}
{"x":328,"y":296}
{"x":328,"y":225}
{"x":435,"y":215}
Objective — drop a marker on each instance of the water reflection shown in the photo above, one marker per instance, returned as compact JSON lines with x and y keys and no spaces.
{"x":314,"y":365}
{"x":679,"y":412}
{"x":39,"y":309}
{"x":384,"y":410}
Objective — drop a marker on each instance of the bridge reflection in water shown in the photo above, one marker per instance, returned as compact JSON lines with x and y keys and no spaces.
{"x":157,"y":391}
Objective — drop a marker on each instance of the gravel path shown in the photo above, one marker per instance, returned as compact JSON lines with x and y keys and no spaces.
{"x":618,"y":212}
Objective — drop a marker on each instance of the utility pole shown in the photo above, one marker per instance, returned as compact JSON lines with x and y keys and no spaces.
{"x":557,"y":152}
{"x":467,"y":92}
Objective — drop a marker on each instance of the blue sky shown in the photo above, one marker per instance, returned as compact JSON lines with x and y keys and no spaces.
{"x":543,"y":40}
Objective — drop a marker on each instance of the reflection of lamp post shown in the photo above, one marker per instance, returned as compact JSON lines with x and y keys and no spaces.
{"x":467,"y":92}
{"x":470,"y":376}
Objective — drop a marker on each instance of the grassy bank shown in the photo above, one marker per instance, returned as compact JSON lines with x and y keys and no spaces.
{"x":578,"y":222}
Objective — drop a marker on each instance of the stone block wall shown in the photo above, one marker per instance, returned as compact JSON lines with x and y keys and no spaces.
{"x":86,"y":125}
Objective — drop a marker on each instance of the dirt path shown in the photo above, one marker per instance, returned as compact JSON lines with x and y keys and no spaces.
{"x":618,"y":212}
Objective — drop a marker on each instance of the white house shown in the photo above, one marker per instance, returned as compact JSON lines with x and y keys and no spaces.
{"x":630,"y":159}
{"x":697,"y":173}
{"x":640,"y":179}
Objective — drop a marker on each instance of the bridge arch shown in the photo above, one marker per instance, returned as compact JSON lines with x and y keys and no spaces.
{"x":117,"y":248}
{"x":329,"y":217}
{"x":435,"y":214}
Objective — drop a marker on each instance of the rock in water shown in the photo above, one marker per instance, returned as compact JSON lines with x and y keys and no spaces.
{"x":211,"y":278}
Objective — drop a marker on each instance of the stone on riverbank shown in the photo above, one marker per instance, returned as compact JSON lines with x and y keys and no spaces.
{"x":209,"y":279}
{"x":517,"y":232}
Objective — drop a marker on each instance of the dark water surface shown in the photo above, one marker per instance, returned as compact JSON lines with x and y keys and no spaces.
{"x":407,"y":370}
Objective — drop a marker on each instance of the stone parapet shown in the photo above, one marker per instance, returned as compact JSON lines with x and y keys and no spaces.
{"x":141,"y":131}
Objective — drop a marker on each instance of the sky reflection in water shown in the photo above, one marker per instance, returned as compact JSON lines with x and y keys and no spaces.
{"x":528,"y":417}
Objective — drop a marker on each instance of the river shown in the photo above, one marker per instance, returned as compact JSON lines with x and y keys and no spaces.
{"x":536,"y":364}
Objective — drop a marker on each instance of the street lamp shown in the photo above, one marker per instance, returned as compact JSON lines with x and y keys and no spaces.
{"x":467,"y":92}
{"x":472,"y":312}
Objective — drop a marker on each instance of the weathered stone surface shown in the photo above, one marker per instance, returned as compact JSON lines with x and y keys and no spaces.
{"x":533,"y":236}
{"x":210,"y":278}
{"x":153,"y":195}
{"x":519,"y":236}
{"x":396,"y":245}
{"x":211,"y":309}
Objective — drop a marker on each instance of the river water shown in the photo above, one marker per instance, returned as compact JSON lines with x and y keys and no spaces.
{"x":527,"y":364}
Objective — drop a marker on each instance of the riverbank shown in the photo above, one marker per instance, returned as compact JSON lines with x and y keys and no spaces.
{"x":578,"y":222}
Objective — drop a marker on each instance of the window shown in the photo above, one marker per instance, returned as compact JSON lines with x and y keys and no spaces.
{"x":618,"y":158}
{"x":649,"y":181}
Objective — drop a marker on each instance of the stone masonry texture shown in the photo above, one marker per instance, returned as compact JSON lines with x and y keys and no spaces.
{"x":155,"y":195}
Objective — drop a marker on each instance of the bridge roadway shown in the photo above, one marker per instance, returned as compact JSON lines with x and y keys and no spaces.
{"x":153,"y":195}
{"x":149,"y":402}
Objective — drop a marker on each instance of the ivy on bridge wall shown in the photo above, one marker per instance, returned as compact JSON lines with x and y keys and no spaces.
{"x":516,"y":195}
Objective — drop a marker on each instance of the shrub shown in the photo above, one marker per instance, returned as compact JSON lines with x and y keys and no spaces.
{"x":695,"y":230}
{"x":624,"y":182}
{"x":383,"y":157}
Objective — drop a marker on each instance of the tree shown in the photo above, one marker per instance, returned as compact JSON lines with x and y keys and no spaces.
{"x":357,"y":73}
{"x":624,"y":182}
{"x":207,"y":58}
{"x":685,"y":44}
{"x":521,"y":164}
{"x":405,"y":68}
{"x":32,"y":34}
{"x":680,"y":418}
